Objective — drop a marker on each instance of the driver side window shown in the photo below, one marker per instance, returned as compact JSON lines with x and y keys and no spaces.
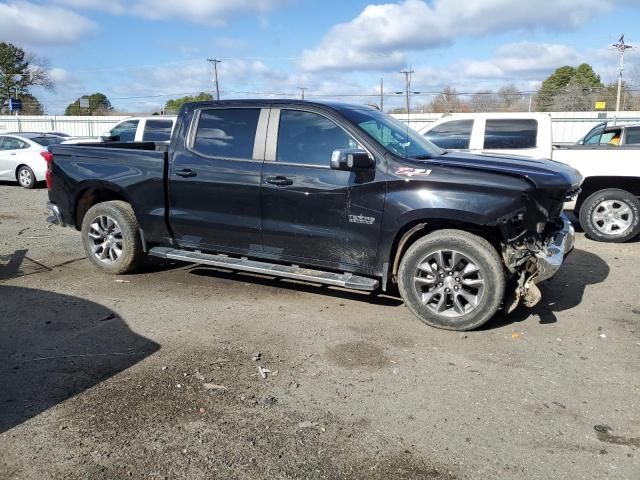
{"x":593,"y":138}
{"x":309,"y":138}
{"x":11,"y":143}
{"x":126,"y":131}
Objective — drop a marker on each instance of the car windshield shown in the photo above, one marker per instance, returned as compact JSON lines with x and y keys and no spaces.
{"x":392,"y":134}
{"x":46,"y":141}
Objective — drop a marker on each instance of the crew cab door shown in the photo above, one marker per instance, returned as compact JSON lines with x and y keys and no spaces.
{"x":312,"y":213}
{"x":512,"y":136}
{"x":214,"y":180}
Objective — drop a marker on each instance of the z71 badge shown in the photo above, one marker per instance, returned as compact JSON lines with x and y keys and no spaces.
{"x":361,"y":219}
{"x":413,"y":172}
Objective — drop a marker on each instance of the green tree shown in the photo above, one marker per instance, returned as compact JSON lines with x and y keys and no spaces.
{"x":569,"y":88}
{"x":20,"y":70}
{"x":31,"y":105}
{"x":99,"y":104}
{"x":174,"y":105}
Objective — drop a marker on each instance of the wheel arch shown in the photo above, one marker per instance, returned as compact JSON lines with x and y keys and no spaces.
{"x":416,"y":229}
{"x":591,"y":185}
{"x":23,"y":164}
{"x":93,"y":193}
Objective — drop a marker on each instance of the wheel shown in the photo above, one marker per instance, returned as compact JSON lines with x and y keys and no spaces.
{"x":111,"y":237}
{"x":610,"y":215}
{"x":452,"y":279}
{"x":25,"y":177}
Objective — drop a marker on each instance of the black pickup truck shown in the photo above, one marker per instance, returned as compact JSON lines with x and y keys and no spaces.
{"x":325,"y":192}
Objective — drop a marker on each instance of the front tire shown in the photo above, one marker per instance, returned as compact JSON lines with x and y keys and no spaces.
{"x":452,"y":279}
{"x":111,"y":237}
{"x":610,"y":215}
{"x":26,"y":177}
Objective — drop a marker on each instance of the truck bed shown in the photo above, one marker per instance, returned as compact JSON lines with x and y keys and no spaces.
{"x":138,"y":169}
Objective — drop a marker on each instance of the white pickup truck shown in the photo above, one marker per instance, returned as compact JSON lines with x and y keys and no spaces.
{"x":608,"y":205}
{"x":134,"y":129}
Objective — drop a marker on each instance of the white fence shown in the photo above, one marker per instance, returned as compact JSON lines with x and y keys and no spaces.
{"x":568,"y":127}
{"x":75,"y":126}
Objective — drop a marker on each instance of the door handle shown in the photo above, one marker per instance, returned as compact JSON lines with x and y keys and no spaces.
{"x":279,"y":180}
{"x":186,"y":172}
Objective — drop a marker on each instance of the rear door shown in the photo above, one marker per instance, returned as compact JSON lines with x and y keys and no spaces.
{"x":214,"y":180}
{"x":312,"y":213}
{"x":516,"y":136}
{"x":632,"y":136}
{"x":157,"y":130}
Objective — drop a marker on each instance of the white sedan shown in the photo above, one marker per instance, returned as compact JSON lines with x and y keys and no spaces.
{"x":22,"y":157}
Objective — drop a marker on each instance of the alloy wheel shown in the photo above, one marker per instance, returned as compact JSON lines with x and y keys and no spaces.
{"x":106,"y":240}
{"x":449,"y":283}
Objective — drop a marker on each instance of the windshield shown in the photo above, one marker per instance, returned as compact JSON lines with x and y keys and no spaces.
{"x":392,"y":134}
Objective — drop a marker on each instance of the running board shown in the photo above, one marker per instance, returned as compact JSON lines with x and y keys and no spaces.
{"x":345,"y":280}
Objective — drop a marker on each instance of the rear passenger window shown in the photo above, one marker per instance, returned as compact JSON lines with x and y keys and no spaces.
{"x":309,"y":138}
{"x":506,"y":133}
{"x":227,"y":133}
{"x":633,"y":136}
{"x":157,"y":131}
{"x":454,"y":134}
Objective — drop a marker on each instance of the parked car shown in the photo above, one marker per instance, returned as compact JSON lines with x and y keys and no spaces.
{"x":606,"y":135}
{"x":136,"y":129}
{"x":330,"y":193}
{"x":608,"y":205}
{"x":23,"y":157}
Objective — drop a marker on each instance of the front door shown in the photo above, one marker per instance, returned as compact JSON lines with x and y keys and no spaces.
{"x":214,"y":181}
{"x":312,"y":213}
{"x":9,"y":153}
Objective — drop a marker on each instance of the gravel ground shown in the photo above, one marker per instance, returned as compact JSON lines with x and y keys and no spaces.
{"x":156,"y":375}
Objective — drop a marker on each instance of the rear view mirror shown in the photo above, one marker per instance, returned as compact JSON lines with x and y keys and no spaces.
{"x":351,"y":159}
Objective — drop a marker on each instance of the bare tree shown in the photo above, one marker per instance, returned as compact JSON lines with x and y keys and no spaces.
{"x":446,"y":101}
{"x":484,"y":101}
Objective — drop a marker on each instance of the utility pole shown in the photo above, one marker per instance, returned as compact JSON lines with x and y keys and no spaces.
{"x":302,"y":89}
{"x":407,"y":87}
{"x":621,"y":47}
{"x":382,"y":94}
{"x":215,"y":62}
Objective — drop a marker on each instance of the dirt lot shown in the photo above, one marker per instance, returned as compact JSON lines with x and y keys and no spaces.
{"x":155,"y":375}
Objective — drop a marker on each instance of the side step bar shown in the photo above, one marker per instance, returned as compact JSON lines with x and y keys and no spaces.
{"x":346,"y":280}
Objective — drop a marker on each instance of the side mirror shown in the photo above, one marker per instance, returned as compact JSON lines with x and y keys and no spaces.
{"x":107,"y":137}
{"x":351,"y":159}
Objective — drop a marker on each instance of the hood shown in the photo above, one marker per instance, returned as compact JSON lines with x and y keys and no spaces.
{"x":544,"y":174}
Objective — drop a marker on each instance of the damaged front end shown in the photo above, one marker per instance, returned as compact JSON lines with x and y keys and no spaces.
{"x":537,"y":240}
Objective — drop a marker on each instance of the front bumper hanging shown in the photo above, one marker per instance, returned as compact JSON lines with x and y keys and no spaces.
{"x":550,"y":259}
{"x":540,"y":264}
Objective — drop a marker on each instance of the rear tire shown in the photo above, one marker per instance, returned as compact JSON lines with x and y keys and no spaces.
{"x":111,"y":237}
{"x":610,"y":215}
{"x":452,"y":279}
{"x":26,"y":177}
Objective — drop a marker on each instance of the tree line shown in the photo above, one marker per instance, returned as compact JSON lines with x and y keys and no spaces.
{"x":567,"y":89}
